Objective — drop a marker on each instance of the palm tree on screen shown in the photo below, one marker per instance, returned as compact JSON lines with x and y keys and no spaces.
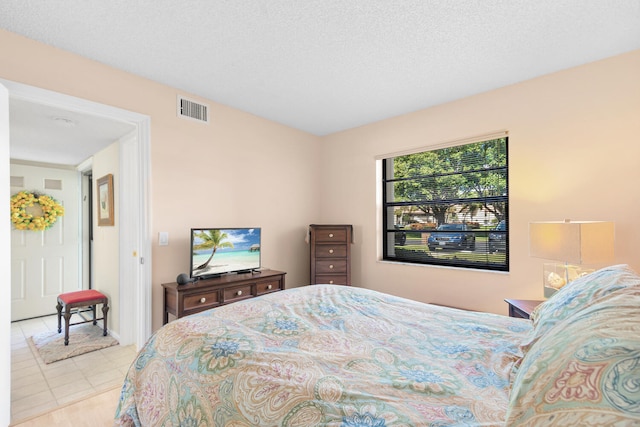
{"x":211,"y":239}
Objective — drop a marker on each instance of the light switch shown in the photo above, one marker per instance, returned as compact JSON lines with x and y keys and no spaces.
{"x":163,"y":238}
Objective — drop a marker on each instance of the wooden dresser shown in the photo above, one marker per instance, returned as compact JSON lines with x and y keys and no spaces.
{"x":182,"y":300}
{"x":331,"y":254}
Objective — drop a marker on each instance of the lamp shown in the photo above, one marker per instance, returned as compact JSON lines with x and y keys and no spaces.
{"x":575,"y":243}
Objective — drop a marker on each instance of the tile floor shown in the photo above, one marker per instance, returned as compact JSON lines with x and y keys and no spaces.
{"x":37,"y":387}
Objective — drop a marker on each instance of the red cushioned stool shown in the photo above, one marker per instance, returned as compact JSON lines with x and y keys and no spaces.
{"x":88,"y":298}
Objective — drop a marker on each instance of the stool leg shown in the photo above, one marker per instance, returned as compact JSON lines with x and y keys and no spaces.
{"x":105,"y":310}
{"x":67,"y":317}
{"x":59,"y":308}
{"x":93,"y":310}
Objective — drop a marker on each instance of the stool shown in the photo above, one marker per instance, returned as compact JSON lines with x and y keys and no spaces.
{"x":85,"y":298}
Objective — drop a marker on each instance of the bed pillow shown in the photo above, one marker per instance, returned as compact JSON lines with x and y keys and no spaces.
{"x":584,"y":371}
{"x":581,"y":293}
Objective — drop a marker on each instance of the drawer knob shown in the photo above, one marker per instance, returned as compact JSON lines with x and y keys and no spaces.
{"x":269,"y":287}
{"x":330,"y":251}
{"x":331,"y":282}
{"x":239,"y":293}
{"x":203,"y":300}
{"x":331,"y":267}
{"x":330,"y":234}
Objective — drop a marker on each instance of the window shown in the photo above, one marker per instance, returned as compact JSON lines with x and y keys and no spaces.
{"x":448,"y":206}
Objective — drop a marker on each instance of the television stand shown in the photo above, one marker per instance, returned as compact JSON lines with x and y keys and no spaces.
{"x":182,"y":300}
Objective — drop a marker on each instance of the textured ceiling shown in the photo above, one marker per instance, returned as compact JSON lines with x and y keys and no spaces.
{"x":327,"y":65}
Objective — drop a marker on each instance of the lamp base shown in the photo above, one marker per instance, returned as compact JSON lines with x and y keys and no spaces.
{"x":555,"y":276}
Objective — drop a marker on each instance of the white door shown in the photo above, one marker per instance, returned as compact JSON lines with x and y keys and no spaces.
{"x":45,"y":263}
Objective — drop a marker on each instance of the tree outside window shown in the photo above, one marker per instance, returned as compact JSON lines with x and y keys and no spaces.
{"x":448,"y":206}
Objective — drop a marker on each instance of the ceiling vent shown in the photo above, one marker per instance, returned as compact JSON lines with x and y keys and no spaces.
{"x":192,"y":110}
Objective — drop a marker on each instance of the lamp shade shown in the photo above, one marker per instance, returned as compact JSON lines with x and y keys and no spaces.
{"x":578,"y":242}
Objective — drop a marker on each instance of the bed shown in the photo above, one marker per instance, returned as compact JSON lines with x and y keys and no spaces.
{"x":327,"y":355}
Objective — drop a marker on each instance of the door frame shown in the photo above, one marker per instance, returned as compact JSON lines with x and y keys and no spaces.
{"x":135,"y":219}
{"x":5,"y":263}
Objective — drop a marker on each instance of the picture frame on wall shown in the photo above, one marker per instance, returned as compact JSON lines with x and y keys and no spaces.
{"x":105,"y":200}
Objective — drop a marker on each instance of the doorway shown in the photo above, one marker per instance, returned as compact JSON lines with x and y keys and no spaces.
{"x":134,"y":234}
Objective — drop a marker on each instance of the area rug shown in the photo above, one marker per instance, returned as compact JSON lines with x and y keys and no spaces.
{"x":82,"y":339}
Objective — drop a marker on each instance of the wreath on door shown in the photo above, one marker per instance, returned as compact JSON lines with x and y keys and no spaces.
{"x":34,"y":211}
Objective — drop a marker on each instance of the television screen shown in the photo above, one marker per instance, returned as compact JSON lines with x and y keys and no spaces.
{"x":217,"y":251}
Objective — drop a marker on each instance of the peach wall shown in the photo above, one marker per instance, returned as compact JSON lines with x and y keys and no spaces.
{"x":574,"y":152}
{"x":239,"y":170}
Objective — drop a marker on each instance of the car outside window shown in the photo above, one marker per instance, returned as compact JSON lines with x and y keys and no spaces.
{"x":448,"y":206}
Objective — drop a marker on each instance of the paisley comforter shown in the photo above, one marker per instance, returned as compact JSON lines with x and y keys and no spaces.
{"x":325,"y":355}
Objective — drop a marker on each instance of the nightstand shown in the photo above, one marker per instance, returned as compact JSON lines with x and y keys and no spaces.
{"x":522,"y":308}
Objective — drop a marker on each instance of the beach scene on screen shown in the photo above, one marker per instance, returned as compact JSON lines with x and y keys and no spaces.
{"x":220,"y":251}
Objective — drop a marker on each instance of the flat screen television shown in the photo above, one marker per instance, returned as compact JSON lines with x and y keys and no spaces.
{"x":218,"y":251}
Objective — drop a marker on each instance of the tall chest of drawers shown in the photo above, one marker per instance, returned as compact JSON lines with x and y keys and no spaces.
{"x":331,"y":253}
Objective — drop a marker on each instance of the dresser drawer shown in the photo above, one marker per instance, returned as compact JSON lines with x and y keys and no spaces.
{"x":201,"y":301}
{"x":266,"y":287}
{"x":237,"y":293}
{"x":330,"y":279}
{"x":331,"y":235}
{"x":331,"y":251}
{"x":333,"y":266}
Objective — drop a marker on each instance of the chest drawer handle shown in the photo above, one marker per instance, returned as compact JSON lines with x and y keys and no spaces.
{"x":239,"y":293}
{"x":330,"y":251}
{"x":203,"y":300}
{"x":269,"y":287}
{"x":330,"y":234}
{"x":331,"y":282}
{"x":331,"y":267}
